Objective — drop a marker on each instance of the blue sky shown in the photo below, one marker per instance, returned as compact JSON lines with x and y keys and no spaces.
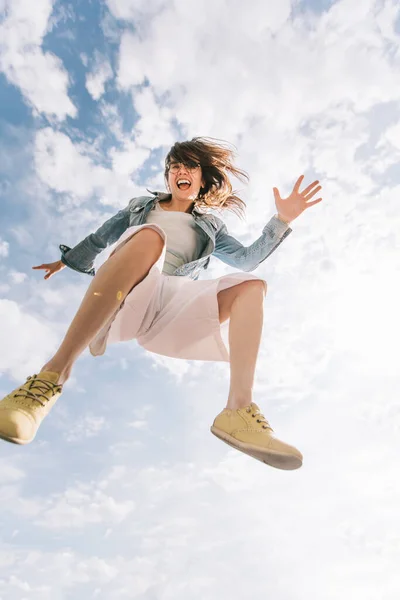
{"x":125,"y":493}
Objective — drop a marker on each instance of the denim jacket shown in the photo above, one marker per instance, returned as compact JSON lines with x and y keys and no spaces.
{"x":218,"y":242}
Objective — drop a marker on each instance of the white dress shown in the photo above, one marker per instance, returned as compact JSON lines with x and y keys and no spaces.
{"x":172,"y":315}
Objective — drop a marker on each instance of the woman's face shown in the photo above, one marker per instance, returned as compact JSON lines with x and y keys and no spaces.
{"x":178,"y":174}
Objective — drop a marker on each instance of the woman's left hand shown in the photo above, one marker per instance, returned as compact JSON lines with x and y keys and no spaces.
{"x":292,"y":206}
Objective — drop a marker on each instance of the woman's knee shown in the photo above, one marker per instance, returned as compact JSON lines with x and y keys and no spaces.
{"x":147,"y":237}
{"x":146,"y":244}
{"x":254,"y":284}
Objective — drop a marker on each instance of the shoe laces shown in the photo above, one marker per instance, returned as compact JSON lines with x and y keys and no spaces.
{"x":261,"y":419}
{"x":40,"y":387}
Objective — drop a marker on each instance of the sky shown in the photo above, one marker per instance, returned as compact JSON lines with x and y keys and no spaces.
{"x":125,"y":494}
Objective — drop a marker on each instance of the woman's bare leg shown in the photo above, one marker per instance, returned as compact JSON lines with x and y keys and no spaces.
{"x":112,"y":283}
{"x":245,"y":329}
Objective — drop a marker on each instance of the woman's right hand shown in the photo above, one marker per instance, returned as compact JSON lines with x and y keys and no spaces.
{"x":51,"y":268}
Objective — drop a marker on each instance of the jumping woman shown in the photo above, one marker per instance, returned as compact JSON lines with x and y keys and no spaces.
{"x":149,"y":290}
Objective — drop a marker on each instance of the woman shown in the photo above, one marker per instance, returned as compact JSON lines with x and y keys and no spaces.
{"x":148,"y":290}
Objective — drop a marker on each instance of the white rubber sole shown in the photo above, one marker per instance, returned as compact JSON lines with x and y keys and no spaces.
{"x":15,"y":440}
{"x":279,"y":460}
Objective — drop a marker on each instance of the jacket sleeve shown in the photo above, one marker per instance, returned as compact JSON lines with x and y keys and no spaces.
{"x":81,"y":257}
{"x":247,"y":258}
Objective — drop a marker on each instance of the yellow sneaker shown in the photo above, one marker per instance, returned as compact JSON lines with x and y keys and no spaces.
{"x":22,"y":411}
{"x":247,"y":430}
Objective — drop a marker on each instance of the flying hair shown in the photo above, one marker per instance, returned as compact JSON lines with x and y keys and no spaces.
{"x":216,"y":160}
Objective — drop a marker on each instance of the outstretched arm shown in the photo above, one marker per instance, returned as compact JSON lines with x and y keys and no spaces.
{"x":247,"y":258}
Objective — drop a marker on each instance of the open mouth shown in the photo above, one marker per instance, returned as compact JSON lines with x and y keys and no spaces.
{"x":183,"y":184}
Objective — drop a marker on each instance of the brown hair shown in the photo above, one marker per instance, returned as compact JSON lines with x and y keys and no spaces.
{"x":215,"y":159}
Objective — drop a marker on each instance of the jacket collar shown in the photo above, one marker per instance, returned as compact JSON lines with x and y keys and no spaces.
{"x":164,"y":196}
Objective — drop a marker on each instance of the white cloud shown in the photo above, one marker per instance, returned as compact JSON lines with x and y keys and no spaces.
{"x":17,"y":277}
{"x":63,"y":167}
{"x":186,"y":511}
{"x":132,"y":10}
{"x":70,"y":168}
{"x":4,"y":248}
{"x":201,"y":84}
{"x":130,"y":158}
{"x":4,"y":288}
{"x":138,"y":424}
{"x":164,"y":508}
{"x":10,"y":473}
{"x":39,"y":75}
{"x":153,"y":128}
{"x":29,"y":340}
{"x":77,"y":507}
{"x":88,"y":426}
{"x":84,"y":58}
{"x":101,"y":73}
